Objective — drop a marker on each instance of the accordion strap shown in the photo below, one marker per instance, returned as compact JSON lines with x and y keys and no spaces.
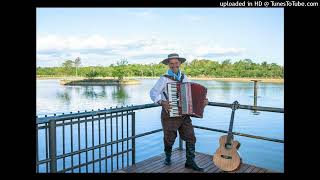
{"x":169,"y":77}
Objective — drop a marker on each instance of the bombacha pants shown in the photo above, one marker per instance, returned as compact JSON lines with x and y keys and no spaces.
{"x":171,"y":125}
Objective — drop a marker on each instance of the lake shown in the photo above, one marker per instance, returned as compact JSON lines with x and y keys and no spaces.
{"x":55,"y":98}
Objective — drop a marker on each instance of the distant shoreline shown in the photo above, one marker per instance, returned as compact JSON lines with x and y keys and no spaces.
{"x":265,"y":80}
{"x":242,"y":79}
{"x":97,"y":82}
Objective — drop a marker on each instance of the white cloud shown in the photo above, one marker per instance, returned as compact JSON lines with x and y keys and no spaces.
{"x":97,"y":49}
{"x":54,"y":42}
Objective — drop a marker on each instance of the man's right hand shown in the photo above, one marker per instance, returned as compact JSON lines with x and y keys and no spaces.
{"x":166,"y":105}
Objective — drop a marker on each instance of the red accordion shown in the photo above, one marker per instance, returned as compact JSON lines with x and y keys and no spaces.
{"x":186,"y":99}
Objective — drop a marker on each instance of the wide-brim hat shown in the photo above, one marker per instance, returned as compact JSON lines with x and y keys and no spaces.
{"x":173,"y":56}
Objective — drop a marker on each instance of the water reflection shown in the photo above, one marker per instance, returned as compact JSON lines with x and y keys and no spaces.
{"x":65,"y":95}
{"x":103,"y":91}
{"x":91,"y":92}
{"x":225,"y":85}
{"x":119,"y":94}
{"x":255,"y":112}
{"x":221,"y":85}
{"x":77,"y":89}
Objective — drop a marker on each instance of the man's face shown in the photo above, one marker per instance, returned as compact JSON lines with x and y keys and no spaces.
{"x":174,"y":65}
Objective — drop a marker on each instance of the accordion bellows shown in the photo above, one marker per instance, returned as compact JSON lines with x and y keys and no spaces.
{"x":186,"y":99}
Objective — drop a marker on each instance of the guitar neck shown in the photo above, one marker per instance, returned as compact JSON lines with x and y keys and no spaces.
{"x":230,"y":135}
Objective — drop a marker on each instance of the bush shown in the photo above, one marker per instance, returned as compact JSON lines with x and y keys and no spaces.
{"x":91,"y":74}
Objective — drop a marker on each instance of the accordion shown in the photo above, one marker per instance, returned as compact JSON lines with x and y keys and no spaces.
{"x":186,"y":99}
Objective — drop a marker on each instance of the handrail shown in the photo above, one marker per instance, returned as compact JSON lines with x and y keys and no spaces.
{"x":240,"y":134}
{"x":249,"y":107}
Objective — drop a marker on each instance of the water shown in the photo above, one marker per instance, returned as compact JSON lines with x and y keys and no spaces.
{"x":55,"y":98}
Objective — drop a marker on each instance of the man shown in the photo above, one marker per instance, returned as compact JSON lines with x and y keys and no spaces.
{"x":170,"y":125}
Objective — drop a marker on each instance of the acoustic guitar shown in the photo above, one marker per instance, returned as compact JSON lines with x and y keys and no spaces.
{"x":226,"y":156}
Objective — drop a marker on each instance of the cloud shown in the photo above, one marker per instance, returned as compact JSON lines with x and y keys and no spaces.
{"x":97,"y":49}
{"x":53,"y":42}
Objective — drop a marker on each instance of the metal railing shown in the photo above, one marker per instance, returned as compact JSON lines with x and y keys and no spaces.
{"x":49,"y":125}
{"x":86,"y":133}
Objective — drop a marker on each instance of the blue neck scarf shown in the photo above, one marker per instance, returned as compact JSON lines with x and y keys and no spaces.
{"x":175,"y":76}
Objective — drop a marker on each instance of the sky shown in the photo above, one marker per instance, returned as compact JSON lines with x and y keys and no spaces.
{"x":103,"y":36}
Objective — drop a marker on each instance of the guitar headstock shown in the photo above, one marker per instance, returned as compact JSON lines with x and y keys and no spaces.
{"x":235,"y":105}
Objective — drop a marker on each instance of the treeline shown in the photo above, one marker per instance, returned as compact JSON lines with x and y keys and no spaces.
{"x":196,"y":68}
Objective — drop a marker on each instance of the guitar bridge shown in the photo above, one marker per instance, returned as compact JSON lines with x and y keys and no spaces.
{"x":226,"y":157}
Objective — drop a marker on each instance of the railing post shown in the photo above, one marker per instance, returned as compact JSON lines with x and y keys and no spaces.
{"x":180,"y":144}
{"x":255,"y":94}
{"x":133,"y":133}
{"x":52,"y":147}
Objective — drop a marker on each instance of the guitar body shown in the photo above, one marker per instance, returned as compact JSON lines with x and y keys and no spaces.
{"x":227,"y":159}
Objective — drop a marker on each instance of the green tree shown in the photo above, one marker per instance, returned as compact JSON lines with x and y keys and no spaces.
{"x":226,"y":63}
{"x":119,"y":70}
{"x":77,"y":63}
{"x":67,"y":65}
{"x":91,"y":74}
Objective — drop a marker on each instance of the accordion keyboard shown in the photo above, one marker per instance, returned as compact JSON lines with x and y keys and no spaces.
{"x":174,"y":99}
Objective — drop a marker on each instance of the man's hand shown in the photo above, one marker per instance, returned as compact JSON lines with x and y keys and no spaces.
{"x":166,"y":105}
{"x":206,"y":102}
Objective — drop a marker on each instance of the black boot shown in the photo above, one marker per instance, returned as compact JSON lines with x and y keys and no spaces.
{"x":190,"y":163}
{"x":168,"y":151}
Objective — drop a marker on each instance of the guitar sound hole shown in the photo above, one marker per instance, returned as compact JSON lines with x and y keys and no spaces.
{"x":228,"y":146}
{"x":226,"y":157}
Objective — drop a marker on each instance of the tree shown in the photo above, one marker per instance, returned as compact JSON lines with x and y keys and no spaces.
{"x":119,"y":70}
{"x":77,"y":63}
{"x":91,"y":74}
{"x":226,"y":62}
{"x":67,"y":65}
{"x":264,"y":64}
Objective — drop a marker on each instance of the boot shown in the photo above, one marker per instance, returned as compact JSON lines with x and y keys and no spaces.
{"x":190,"y":163}
{"x":168,"y":150}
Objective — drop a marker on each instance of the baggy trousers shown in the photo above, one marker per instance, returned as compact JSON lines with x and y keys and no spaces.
{"x":171,"y":125}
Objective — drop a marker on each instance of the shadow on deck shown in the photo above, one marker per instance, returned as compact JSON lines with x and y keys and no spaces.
{"x":178,"y":158}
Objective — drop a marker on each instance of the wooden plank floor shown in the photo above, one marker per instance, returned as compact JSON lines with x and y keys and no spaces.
{"x":155,"y":165}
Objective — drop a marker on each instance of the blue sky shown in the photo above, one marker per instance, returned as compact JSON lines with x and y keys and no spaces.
{"x":102,"y":36}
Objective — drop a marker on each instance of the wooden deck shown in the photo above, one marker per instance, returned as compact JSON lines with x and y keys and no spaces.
{"x":178,"y":158}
